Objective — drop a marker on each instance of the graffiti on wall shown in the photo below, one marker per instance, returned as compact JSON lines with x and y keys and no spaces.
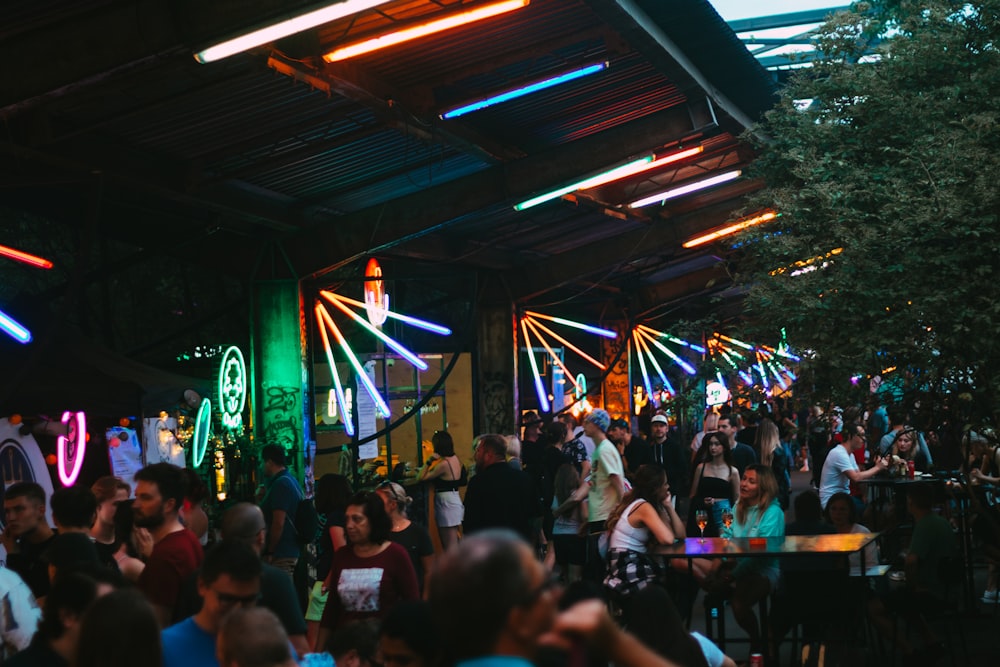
{"x":616,"y":385}
{"x":281,"y":416}
{"x":497,"y":403}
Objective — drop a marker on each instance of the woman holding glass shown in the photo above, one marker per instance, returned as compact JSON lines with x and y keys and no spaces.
{"x":715,"y":486}
{"x":757,"y":514}
{"x":905,"y":449}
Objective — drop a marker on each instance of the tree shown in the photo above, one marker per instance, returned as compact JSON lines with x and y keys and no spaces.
{"x":888,"y":185}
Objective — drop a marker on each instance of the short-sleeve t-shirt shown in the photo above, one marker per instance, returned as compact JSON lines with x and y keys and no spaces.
{"x":368,"y":587}
{"x":834,"y":478}
{"x":283,"y":494}
{"x":187,"y":645}
{"x":603,"y":495}
{"x":417,"y":542}
{"x":933,"y":539}
{"x":175,"y":558}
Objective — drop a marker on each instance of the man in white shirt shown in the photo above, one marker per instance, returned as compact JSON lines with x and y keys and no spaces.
{"x":840,"y":468}
{"x":607,"y":486}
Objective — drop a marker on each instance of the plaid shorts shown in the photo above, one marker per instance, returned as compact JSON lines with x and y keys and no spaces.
{"x":631,"y":571}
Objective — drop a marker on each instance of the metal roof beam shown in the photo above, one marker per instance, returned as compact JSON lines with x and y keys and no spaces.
{"x":785,"y":20}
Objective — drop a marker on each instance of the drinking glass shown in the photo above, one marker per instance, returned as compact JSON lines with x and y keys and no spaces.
{"x":701,"y":517}
{"x":727,"y":518}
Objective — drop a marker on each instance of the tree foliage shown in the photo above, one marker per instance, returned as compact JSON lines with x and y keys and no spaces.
{"x":896,"y":162}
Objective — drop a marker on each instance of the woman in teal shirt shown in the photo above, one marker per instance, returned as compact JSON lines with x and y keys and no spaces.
{"x":757,"y":514}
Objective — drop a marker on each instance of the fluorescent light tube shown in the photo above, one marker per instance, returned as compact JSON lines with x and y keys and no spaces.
{"x":686,"y":189}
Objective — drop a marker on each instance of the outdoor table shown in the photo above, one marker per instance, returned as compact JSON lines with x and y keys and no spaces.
{"x":789,"y":546}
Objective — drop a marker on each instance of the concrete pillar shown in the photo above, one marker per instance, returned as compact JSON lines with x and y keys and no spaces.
{"x":496,"y":370}
{"x":616,"y":389}
{"x":281,"y":401}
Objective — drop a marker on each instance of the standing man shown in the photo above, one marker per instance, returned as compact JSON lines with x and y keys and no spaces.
{"x":27,"y":534}
{"x":607,"y":486}
{"x":675,"y":459}
{"x":229,"y":578}
{"x":498,"y":496}
{"x":281,"y":499}
{"x":634,"y":450}
{"x":743,"y":455}
{"x":840,"y":467}
{"x":159,"y":494}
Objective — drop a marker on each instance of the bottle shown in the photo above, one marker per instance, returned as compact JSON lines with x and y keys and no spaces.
{"x":756,"y":660}
{"x":911,"y":469}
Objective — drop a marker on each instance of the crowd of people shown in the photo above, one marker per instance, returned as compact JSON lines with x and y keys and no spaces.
{"x":138,"y":576}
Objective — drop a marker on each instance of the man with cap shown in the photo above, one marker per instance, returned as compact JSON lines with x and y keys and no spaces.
{"x":607,"y":486}
{"x":634,"y":450}
{"x":670,"y":454}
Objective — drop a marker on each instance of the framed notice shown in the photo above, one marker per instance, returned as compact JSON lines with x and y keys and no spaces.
{"x":125,"y":454}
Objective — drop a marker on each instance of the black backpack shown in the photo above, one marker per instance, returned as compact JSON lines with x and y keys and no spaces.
{"x":306,"y":521}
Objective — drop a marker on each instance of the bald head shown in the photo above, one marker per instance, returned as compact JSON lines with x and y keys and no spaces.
{"x":253,"y":638}
{"x":244,"y":522}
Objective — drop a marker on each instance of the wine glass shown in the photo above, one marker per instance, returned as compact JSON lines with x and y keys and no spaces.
{"x":727,"y":518}
{"x":701,"y":518}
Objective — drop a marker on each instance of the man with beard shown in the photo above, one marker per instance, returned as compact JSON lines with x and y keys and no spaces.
{"x":159,"y":494}
{"x":27,"y":534}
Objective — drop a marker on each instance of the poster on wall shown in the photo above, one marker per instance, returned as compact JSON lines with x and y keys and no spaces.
{"x":125,"y":454}
{"x":365,"y":407}
{"x":21,"y":460}
{"x":160,"y":436}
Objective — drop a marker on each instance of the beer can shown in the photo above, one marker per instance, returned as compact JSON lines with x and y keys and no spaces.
{"x":756,"y":660}
{"x":911,"y":469}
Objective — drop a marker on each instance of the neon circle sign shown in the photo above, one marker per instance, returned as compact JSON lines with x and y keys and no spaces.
{"x":71,"y":447}
{"x":202,"y":426}
{"x":376,"y":300}
{"x":232,"y":388}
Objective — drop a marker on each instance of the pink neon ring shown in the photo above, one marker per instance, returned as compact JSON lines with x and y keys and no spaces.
{"x":68,"y":479}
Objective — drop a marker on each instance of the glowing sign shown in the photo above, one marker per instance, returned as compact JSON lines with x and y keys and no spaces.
{"x":232,"y":388}
{"x":71,"y":447}
{"x":202,"y":427}
{"x":376,"y":300}
{"x":582,"y":405}
{"x":716,"y":393}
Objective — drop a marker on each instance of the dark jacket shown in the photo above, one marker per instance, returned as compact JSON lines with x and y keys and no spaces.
{"x":500,"y":497}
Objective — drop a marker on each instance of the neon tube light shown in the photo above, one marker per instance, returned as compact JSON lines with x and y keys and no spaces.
{"x":656,"y":365}
{"x":745,"y":346}
{"x":338,"y":388}
{"x":642,"y":366}
{"x":569,"y":345}
{"x":356,"y":364}
{"x":728,"y":230}
{"x":631,"y":169}
{"x":79,"y":447}
{"x":607,"y":333}
{"x":615,"y":174}
{"x":232,"y":388}
{"x":543,"y":399}
{"x":25,"y":258}
{"x":424,"y":29}
{"x":688,"y":368}
{"x":686,"y":189}
{"x":552,"y":354}
{"x":285,"y":28}
{"x":746,"y":378}
{"x":406,"y":319}
{"x":524,"y":90}
{"x":202,"y":426}
{"x":725,"y":355}
{"x":673,"y":339}
{"x":14,"y":329}
{"x":399,"y":349}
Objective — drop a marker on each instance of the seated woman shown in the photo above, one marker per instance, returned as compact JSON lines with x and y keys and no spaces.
{"x":842,"y":514}
{"x":757,"y":514}
{"x":904,"y":448}
{"x":716,"y":483}
{"x":645,"y":516}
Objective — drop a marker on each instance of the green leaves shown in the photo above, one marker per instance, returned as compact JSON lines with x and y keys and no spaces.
{"x":897,"y":162}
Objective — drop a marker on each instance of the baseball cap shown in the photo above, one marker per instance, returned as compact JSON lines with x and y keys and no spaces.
{"x":659,"y":419}
{"x":618,"y":423}
{"x":600,"y":418}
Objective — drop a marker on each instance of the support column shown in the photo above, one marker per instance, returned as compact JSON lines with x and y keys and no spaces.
{"x":496,"y":392}
{"x":281,"y":392}
{"x":616,"y":389}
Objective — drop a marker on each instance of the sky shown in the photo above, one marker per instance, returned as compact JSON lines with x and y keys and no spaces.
{"x":731,"y":10}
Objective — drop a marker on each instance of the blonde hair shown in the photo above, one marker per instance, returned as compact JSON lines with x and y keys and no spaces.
{"x":767,"y":487}
{"x":767,"y":440}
